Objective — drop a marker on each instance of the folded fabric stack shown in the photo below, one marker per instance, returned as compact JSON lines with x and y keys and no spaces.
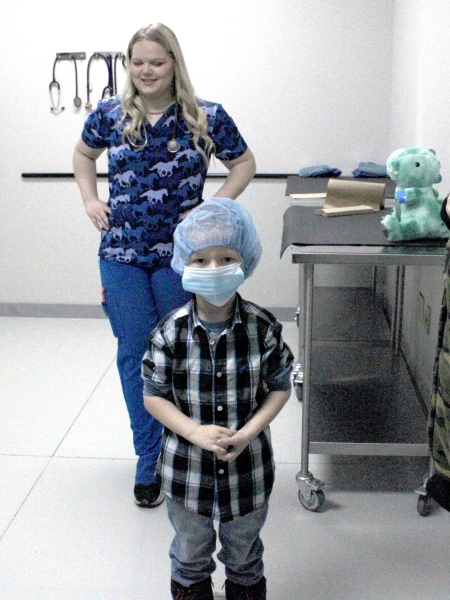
{"x":370,"y":169}
{"x":319,"y":171}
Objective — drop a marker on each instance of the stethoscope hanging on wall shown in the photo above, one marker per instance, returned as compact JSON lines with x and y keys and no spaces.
{"x":110,"y":89}
{"x":54,"y":84}
{"x":77,"y":99}
{"x":116,"y":58}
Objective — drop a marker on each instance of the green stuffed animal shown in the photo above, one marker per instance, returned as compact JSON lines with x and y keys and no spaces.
{"x":416,"y":213}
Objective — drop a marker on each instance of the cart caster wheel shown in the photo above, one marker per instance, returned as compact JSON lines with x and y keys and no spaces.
{"x":424,"y":505}
{"x":315,"y":501}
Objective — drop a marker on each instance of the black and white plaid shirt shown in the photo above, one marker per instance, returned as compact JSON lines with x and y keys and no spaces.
{"x":225,"y":388}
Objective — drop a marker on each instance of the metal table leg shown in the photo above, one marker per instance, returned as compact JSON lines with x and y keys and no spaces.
{"x":374,"y":278}
{"x":424,"y":500}
{"x":297,"y":374}
{"x":397,"y":316}
{"x":310,"y":493}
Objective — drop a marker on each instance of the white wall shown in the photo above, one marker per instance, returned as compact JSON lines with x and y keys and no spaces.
{"x":307,"y":81}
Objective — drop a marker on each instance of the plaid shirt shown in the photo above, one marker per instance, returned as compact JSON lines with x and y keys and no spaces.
{"x":224,"y":388}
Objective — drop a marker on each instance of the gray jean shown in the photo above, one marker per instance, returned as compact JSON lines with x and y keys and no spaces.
{"x":192,"y":548}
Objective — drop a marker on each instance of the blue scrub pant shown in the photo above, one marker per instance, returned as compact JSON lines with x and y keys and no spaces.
{"x":135,"y":299}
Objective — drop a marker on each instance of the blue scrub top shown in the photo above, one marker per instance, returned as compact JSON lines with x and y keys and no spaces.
{"x":150,"y":188}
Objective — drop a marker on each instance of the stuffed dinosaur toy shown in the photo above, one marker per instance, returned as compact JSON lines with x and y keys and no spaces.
{"x":416,"y":213}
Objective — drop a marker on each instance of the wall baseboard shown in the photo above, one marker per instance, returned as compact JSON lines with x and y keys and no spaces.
{"x":64,"y":311}
{"x":94,"y":311}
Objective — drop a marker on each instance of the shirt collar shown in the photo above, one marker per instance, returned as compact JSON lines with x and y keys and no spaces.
{"x":237,"y":316}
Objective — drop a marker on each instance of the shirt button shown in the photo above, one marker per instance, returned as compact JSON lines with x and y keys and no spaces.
{"x":211,"y":342}
{"x":219,"y":374}
{"x":220,"y":408}
{"x":221,"y":471}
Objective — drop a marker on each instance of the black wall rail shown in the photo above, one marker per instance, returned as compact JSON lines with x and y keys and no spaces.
{"x":105,"y":175}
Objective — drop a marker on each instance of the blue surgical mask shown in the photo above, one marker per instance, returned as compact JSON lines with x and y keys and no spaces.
{"x":215,"y":285}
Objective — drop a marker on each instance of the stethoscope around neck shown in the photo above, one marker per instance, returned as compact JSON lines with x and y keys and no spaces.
{"x":173,"y":145}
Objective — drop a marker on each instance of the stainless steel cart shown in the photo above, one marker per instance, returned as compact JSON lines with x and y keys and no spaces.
{"x":411,"y":441}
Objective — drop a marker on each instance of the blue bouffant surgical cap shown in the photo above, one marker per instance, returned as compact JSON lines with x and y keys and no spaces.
{"x":217,"y":222}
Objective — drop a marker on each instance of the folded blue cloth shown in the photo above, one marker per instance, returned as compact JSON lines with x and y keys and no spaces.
{"x":319,"y":171}
{"x":370,"y":169}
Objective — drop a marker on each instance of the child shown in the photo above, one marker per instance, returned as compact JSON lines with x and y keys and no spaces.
{"x":216,"y":373}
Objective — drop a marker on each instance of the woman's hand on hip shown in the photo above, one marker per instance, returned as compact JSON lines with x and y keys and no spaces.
{"x":98,"y":211}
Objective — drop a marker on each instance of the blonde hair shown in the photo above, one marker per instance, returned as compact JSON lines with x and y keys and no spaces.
{"x":183,"y":90}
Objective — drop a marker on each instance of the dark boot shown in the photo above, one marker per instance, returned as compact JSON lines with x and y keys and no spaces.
{"x":235,"y":591}
{"x":438,"y":486}
{"x":197,"y":591}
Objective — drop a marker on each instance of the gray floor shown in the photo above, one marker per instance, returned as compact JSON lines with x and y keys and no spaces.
{"x":69,"y":529}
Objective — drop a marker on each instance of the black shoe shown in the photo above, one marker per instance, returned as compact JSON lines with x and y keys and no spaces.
{"x":148,"y":495}
{"x":438,"y":486}
{"x":197,"y":591}
{"x":234,"y":591}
